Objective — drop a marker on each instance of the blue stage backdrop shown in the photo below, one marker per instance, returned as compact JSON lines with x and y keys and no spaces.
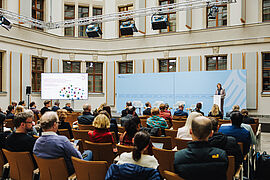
{"x":191,"y":87}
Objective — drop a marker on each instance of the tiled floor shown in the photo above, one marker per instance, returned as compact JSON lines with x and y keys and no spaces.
{"x":265,"y":142}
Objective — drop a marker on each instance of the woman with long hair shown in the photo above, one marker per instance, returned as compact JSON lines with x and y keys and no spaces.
{"x":215,"y":112}
{"x":131,"y":128}
{"x":221,"y":91}
{"x":141,"y":143}
{"x":62,"y":115}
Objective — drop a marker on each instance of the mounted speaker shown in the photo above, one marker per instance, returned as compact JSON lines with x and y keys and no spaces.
{"x":28,"y":89}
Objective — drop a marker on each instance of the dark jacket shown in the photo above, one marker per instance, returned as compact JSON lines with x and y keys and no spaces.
{"x":131,"y":172}
{"x":147,"y":111}
{"x":114,"y":128}
{"x":248,"y":120}
{"x":10,"y":116}
{"x":199,"y":111}
{"x":125,"y":119}
{"x":55,"y":108}
{"x":69,"y":109}
{"x":201,"y":161}
{"x":124,"y":112}
{"x":43,"y":110}
{"x":87,"y":118}
{"x":228,"y":144}
{"x":180,"y":113}
{"x":66,"y":125}
{"x":220,"y":115}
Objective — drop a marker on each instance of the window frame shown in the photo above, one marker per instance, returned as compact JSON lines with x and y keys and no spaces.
{"x":130,"y":19}
{"x":168,"y":16}
{"x":263,"y":69}
{"x":168,"y":64}
{"x":99,"y":24}
{"x":1,"y":71}
{"x":41,"y":10}
{"x":126,"y":65}
{"x":36,"y":72}
{"x":221,"y":55}
{"x":84,"y":34}
{"x":207,"y":23}
{"x":263,"y":12}
{"x":94,"y":74}
{"x":1,"y":4}
{"x":71,"y":66}
{"x":69,"y":18}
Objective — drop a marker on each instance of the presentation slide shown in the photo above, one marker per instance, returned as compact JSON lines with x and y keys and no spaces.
{"x":68,"y":86}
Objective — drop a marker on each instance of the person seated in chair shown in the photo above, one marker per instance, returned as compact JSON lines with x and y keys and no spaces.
{"x":86,"y":118}
{"x":62,"y":115}
{"x":164,"y":114}
{"x":131,"y":128}
{"x":68,"y":108}
{"x":180,"y":111}
{"x":155,"y":121}
{"x":46,"y":107}
{"x":33,"y":107}
{"x":10,"y":112}
{"x":130,"y":113}
{"x":147,"y":111}
{"x":200,"y":160}
{"x":215,"y":112}
{"x":56,"y":106}
{"x":246,"y":118}
{"x":125,"y":111}
{"x":198,"y":108}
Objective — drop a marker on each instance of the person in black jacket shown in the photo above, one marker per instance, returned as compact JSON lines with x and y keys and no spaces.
{"x":46,"y":107}
{"x":200,"y":160}
{"x":124,"y":112}
{"x":147,"y":111}
{"x":246,"y":118}
{"x":10,"y":112}
{"x":68,"y":108}
{"x":227,"y":143}
{"x":56,"y":106}
{"x":87,"y":117}
{"x":62,"y":115}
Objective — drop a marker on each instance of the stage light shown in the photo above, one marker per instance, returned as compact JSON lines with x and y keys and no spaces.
{"x":93,"y":30}
{"x":213,"y":12}
{"x":127,"y":28}
{"x":5,"y":23}
{"x":159,"y":22}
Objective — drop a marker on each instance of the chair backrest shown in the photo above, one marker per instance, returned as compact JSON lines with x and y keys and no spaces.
{"x":101,"y":151}
{"x":9,"y":123}
{"x":21,"y":164}
{"x":52,"y":169}
{"x":64,"y":132}
{"x":167,"y":141}
{"x":86,"y":127}
{"x":181,"y":143}
{"x":144,"y":117}
{"x":81,"y":134}
{"x":222,"y":121}
{"x":143,"y":122}
{"x":122,"y":148}
{"x":241,"y":147}
{"x":231,"y":167}
{"x":178,"y":124}
{"x":91,"y":170}
{"x":172,"y":134}
{"x":165,"y":158}
{"x":121,"y":129}
{"x":171,"y":176}
{"x":179,"y":118}
{"x":2,"y":162}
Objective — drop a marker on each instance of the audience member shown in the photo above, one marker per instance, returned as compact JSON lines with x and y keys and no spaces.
{"x":62,"y":115}
{"x":167,"y":108}
{"x":235,"y":108}
{"x":50,"y":145}
{"x":33,"y":107}
{"x":19,"y":140}
{"x":199,"y":160}
{"x":180,"y":111}
{"x":10,"y":112}
{"x":155,"y":121}
{"x":100,"y":108}
{"x":22,"y":103}
{"x":141,"y":143}
{"x":131,"y":128}
{"x":235,"y":130}
{"x":2,"y":119}
{"x":56,"y":106}
{"x":215,"y":112}
{"x":227,"y":143}
{"x":14,"y":104}
{"x":246,"y":118}
{"x":198,"y":108}
{"x":33,"y":131}
{"x":19,"y":109}
{"x":125,"y":111}
{"x":46,"y":107}
{"x":164,"y":114}
{"x":184,"y":132}
{"x":130,"y":113}
{"x":113,"y":123}
{"x":68,"y":108}
{"x":147,"y":111}
{"x":86,"y":118}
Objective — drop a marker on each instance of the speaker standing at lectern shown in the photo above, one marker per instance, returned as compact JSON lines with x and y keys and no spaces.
{"x":221,"y":91}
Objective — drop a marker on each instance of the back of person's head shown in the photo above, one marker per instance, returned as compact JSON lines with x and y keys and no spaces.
{"x":14,"y":103}
{"x":100,"y":108}
{"x":46,"y":102}
{"x":141,"y":141}
{"x":167,"y":106}
{"x":22,"y":103}
{"x":236,"y":118}
{"x":162,"y":107}
{"x":201,"y":128}
{"x":136,"y":119}
{"x":130,"y":128}
{"x":19,"y":109}
{"x":62,"y":114}
{"x":10,"y":108}
{"x":214,"y":122}
{"x":108,"y":109}
{"x":30,"y":112}
{"x":67,"y":104}
{"x":181,"y":106}
{"x":101,"y":122}
{"x":105,"y":113}
{"x":57,"y":103}
{"x":128,"y":103}
{"x":147,"y":104}
{"x":155,"y":111}
{"x":215,"y":110}
{"x":48,"y":119}
{"x":244,"y":112}
{"x":199,"y":106}
{"x":86,"y":107}
{"x":130,"y":110}
{"x":32,"y":104}
{"x":21,"y":118}
{"x":236,"y":108}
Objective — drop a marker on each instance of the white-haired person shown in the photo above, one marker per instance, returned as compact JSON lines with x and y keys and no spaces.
{"x":184,"y":132}
{"x":51,"y":146}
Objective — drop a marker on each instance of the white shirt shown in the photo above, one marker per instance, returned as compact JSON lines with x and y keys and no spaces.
{"x":183,"y":133}
{"x":145,"y":161}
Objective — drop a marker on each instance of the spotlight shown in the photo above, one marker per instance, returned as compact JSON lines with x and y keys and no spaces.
{"x":213,"y":12}
{"x":5,"y":23}
{"x":159,"y":22}
{"x":127,"y":28}
{"x":93,"y":30}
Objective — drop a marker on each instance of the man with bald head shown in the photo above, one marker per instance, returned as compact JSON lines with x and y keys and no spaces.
{"x":199,"y":160}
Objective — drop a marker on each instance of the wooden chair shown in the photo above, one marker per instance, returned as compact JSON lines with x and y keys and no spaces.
{"x":167,"y":141}
{"x":172,"y":134}
{"x":143,"y":122}
{"x":2,"y":162}
{"x":81,"y":135}
{"x":101,"y":151}
{"x":178,"y":124}
{"x":64,"y":132}
{"x":89,"y":170}
{"x":9,"y":123}
{"x":171,"y":176}
{"x":121,"y":129}
{"x":52,"y":169}
{"x":122,"y":148}
{"x":241,"y":146}
{"x":144,"y":117}
{"x":181,"y":143}
{"x":222,"y":121}
{"x":86,"y":127}
{"x":114,"y":137}
{"x":165,"y":159}
{"x":179,"y":118}
{"x":231,"y":167}
{"x":21,"y":164}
